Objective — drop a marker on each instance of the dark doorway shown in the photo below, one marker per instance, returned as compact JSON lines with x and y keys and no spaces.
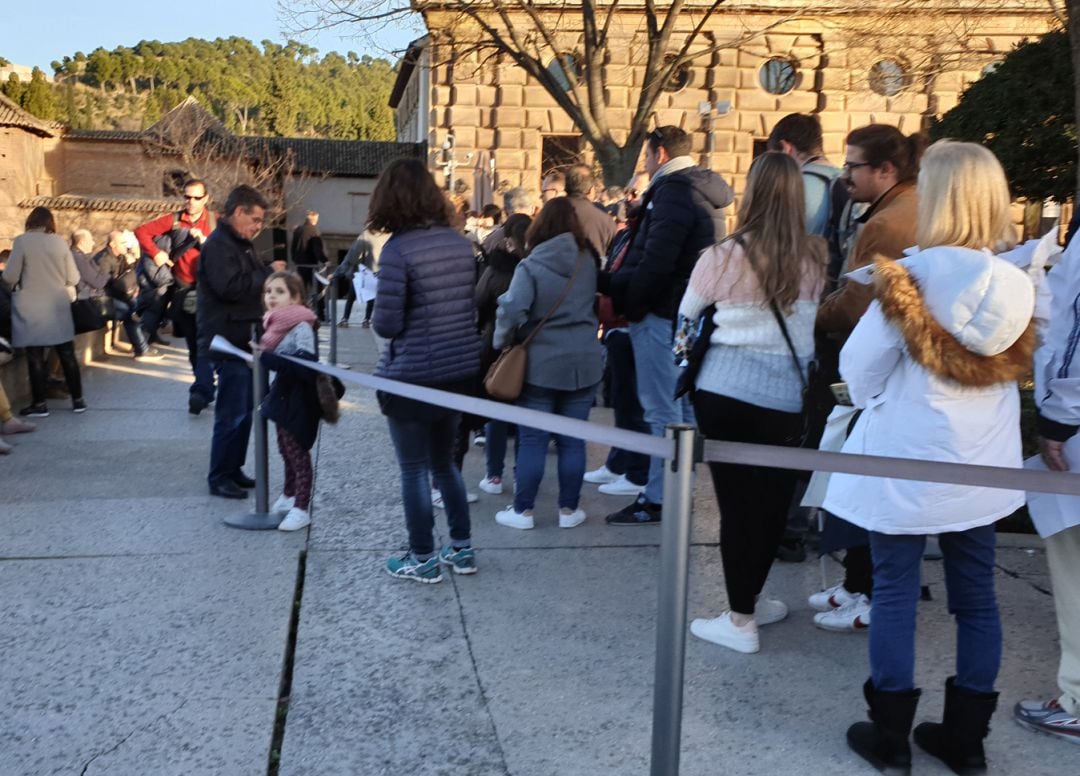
{"x":560,"y":152}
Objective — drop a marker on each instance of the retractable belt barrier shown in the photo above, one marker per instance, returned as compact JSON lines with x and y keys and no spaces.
{"x":683,"y":448}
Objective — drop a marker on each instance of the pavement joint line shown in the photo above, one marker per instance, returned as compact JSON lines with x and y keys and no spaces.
{"x":476,"y":672}
{"x":1021,"y":578}
{"x":105,"y":556}
{"x":487,"y":547}
{"x":281,"y":708}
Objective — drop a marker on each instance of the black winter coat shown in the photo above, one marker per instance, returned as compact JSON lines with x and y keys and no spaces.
{"x":681,"y":215}
{"x":293,"y":400}
{"x":229,"y":288}
{"x":493,"y":284}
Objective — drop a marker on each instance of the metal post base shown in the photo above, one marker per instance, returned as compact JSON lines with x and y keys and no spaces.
{"x":254,"y":521}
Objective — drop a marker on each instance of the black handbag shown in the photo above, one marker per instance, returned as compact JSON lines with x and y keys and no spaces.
{"x":91,"y":314}
{"x":705,"y":328}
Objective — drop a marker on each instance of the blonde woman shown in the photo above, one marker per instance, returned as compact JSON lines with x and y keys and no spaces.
{"x":933,"y":365}
{"x":765,"y":280}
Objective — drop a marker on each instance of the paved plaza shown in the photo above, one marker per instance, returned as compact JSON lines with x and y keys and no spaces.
{"x":141,"y":636}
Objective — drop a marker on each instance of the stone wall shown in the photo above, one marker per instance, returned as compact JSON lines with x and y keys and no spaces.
{"x":491,"y":105}
{"x":22,"y":175}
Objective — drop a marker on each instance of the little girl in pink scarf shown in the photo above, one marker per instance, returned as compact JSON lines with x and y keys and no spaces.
{"x":292,"y":402}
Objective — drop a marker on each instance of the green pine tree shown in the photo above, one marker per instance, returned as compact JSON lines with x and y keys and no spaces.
{"x":38,"y":99}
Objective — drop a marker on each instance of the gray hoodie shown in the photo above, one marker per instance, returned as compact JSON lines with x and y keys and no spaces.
{"x":565,"y":355}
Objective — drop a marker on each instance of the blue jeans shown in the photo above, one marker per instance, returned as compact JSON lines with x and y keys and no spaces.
{"x":203,"y":387}
{"x":533,"y":445}
{"x":657,"y":374}
{"x":495,"y":434}
{"x":425,"y":449}
{"x":969,"y":582}
{"x":626,"y":406}
{"x":132,"y":330}
{"x":232,"y":420}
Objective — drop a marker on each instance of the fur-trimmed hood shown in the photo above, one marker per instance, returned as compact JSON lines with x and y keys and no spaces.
{"x":965,"y":315}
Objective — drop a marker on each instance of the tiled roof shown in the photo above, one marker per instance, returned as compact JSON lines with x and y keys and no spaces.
{"x":11,"y":115}
{"x":102,"y":134}
{"x":355,"y":158}
{"x":102,"y":204}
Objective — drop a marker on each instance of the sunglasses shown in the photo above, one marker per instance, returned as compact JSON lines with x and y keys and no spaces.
{"x":189,"y":196}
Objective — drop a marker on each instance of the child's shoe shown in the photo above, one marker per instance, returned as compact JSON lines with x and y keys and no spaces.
{"x":283,"y":504}
{"x":295,"y":520}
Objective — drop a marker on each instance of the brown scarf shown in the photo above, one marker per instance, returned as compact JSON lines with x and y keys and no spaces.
{"x":277,"y":323}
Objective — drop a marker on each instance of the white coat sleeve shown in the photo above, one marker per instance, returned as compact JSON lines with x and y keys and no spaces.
{"x":870,"y":355}
{"x":1057,"y":368}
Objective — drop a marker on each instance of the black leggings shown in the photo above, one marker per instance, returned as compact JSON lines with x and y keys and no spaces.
{"x":859,"y":570}
{"x":753,"y":500}
{"x":39,"y":371}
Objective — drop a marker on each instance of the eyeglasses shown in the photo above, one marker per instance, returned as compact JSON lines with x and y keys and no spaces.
{"x":849,"y":166}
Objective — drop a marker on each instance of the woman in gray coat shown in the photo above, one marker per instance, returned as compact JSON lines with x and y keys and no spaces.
{"x":43,"y":274}
{"x":564,"y":361}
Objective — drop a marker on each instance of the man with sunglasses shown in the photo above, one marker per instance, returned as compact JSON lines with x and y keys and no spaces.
{"x":174,"y":242}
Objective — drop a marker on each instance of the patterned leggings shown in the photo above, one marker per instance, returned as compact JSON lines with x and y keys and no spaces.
{"x":298,"y":478}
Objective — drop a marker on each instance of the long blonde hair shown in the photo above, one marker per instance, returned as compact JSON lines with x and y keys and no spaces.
{"x":963,"y":198}
{"x":772,"y":223}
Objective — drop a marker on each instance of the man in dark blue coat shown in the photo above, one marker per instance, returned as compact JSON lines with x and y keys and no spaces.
{"x":681,"y":215}
{"x":230,"y":283}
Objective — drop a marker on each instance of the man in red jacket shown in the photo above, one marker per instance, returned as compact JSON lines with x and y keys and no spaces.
{"x":175,"y":240}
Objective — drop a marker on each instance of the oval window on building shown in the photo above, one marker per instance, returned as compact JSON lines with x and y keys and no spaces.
{"x":777,"y":75}
{"x":565,"y":69}
{"x":680,"y":76}
{"x":888,"y":77}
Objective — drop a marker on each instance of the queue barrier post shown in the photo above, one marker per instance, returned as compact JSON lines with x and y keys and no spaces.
{"x":261,"y":519}
{"x":671,"y":609}
{"x":332,"y":319}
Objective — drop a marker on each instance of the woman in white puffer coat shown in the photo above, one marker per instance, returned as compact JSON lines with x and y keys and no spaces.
{"x":933,"y":365}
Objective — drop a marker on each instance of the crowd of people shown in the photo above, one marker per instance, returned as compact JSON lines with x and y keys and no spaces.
{"x":874,"y":307}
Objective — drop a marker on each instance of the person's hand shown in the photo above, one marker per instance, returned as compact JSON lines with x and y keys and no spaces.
{"x":1053,"y":455}
{"x":161,"y":257}
{"x":197,"y":233}
{"x":278,"y":266}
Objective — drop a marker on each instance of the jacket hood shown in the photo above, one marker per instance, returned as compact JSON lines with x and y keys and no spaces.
{"x":559,"y":254}
{"x":710,"y":185}
{"x":965,"y":315}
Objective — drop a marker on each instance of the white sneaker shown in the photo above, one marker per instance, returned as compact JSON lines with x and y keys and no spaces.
{"x":492,"y":485}
{"x":480,"y":440}
{"x":721,"y":630}
{"x":571,"y":519}
{"x":283,"y":504}
{"x":601,"y":476}
{"x":438,"y":503}
{"x":621,"y":487}
{"x":852,"y":617}
{"x":295,"y":520}
{"x":512,"y":519}
{"x":769,"y":610}
{"x":833,"y":598}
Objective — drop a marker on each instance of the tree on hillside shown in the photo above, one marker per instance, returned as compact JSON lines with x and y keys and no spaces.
{"x":13,"y":88}
{"x":1024,"y":112}
{"x":38,"y":99}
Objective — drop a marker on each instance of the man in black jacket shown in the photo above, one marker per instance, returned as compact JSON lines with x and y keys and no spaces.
{"x":681,"y":215}
{"x":229,"y":288}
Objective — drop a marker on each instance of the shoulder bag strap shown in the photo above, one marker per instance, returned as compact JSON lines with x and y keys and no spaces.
{"x":779,"y":321}
{"x":558,"y":303}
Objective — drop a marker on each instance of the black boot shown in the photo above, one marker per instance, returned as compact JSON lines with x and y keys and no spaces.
{"x":958,"y":739}
{"x":884,"y":742}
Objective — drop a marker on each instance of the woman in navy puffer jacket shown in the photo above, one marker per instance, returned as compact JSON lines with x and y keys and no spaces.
{"x":424,"y":306}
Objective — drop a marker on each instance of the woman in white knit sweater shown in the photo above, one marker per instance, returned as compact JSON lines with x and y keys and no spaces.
{"x":764,"y":279}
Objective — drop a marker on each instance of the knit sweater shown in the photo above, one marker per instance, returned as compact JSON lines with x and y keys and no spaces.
{"x":748,"y":358}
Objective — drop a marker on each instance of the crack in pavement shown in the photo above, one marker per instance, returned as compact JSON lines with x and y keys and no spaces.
{"x":124,"y":740}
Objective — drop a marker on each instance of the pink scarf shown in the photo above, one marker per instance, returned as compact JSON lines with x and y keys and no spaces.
{"x":277,"y":323}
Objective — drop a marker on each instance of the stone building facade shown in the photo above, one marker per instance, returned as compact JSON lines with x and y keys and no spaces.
{"x":849,"y":63}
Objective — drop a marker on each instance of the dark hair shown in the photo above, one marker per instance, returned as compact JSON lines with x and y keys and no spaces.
{"x":800,"y":129}
{"x":882,"y":143}
{"x":672,"y":139}
{"x":557,"y":217}
{"x":197,"y":182}
{"x":494,"y":212}
{"x":516,"y":226}
{"x":244,"y":197}
{"x":293,"y":283}
{"x":579,"y":180}
{"x":406,"y":197}
{"x":41,"y":218}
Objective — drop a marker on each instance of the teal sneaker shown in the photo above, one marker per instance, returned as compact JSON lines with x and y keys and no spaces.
{"x":462,"y":561}
{"x":408,"y":566}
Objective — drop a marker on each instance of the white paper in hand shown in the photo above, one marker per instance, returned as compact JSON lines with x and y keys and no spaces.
{"x":366,"y":284}
{"x":222,"y":345}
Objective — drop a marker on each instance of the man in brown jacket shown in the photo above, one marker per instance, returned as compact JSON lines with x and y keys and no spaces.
{"x":599,"y":227}
{"x":880,"y":168}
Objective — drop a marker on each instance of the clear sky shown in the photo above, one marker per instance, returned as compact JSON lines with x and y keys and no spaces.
{"x":40,"y":31}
